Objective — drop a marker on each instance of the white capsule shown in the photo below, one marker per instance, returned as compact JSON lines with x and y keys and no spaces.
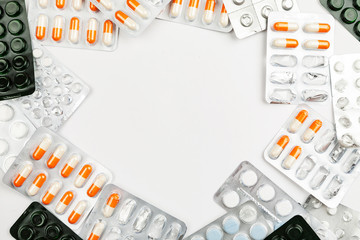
{"x":97,"y":231}
{"x":43,"y":3}
{"x":77,"y":4}
{"x":208,"y":16}
{"x":126,"y":211}
{"x":106,"y":3}
{"x":224,"y":20}
{"x":316,"y":44}
{"x":175,"y":9}
{"x":130,"y":24}
{"x":191,"y":13}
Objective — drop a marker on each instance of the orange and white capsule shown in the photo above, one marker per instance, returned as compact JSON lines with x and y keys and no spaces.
{"x":60,"y":4}
{"x":56,"y":156}
{"x":279,"y":147}
{"x":93,"y":8}
{"x":92,"y":29}
{"x":108,"y":33}
{"x":126,"y":20}
{"x":97,"y":230}
{"x":298,"y":121}
{"x":224,"y":18}
{"x":285,"y":43}
{"x":311,"y":131}
{"x":64,"y":202}
{"x":83,"y":175}
{"x":74,"y":30}
{"x":41,"y":26}
{"x":106,"y":3}
{"x":37,"y":184}
{"x":43,"y":3}
{"x":50,"y":194}
{"x":22,"y":175}
{"x":98,"y":183}
{"x":208,"y":16}
{"x":42,"y":148}
{"x":292,"y":157}
{"x":175,"y":8}
{"x":79,"y":209}
{"x":77,"y":4}
{"x":317,"y":27}
{"x":58,"y":27}
{"x":316,"y":44}
{"x":192,"y":10}
{"x":138,"y":8}
{"x":70,"y":165}
{"x":286,"y":26}
{"x":111,"y":204}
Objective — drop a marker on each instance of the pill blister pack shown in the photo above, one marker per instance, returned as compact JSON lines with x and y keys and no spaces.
{"x":38,"y":223}
{"x":71,"y":23}
{"x":16,"y":129}
{"x":248,"y":17}
{"x":208,"y":14}
{"x":131,"y":16}
{"x":343,"y":221}
{"x":120,"y":215}
{"x":305,"y":150}
{"x":16,"y":61}
{"x":59,"y":92}
{"x":298,"y":50}
{"x":56,"y":173}
{"x":247,"y":182}
{"x":295,"y":228}
{"x":345,"y":83}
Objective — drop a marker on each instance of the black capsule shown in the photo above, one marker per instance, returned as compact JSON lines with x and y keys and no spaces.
{"x":4,"y":65}
{"x":12,"y":9}
{"x":21,"y":80}
{"x":5,"y":84}
{"x":53,"y":231}
{"x":335,"y":5}
{"x":38,"y":219}
{"x":26,"y":233}
{"x":20,"y":63}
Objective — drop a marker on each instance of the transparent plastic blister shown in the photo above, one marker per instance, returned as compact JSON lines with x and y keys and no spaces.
{"x":207,"y":14}
{"x":131,"y":16}
{"x":120,"y":215}
{"x":248,"y":17}
{"x":345,"y":83}
{"x":71,"y":23}
{"x":306,"y":151}
{"x":247,"y":182}
{"x":343,"y":221}
{"x":57,"y":174}
{"x":298,"y":50}
{"x":15,"y":129}
{"x":59,"y":92}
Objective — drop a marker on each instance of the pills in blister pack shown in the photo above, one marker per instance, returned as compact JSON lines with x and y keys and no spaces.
{"x":38,"y":223}
{"x":121,"y":215}
{"x":208,"y":14}
{"x":305,"y":150}
{"x":248,"y":17}
{"x":298,"y":50}
{"x":16,"y":61}
{"x":56,"y":173}
{"x":343,"y":221}
{"x":131,"y":16}
{"x":345,"y":83}
{"x":59,"y":92}
{"x":15,"y":129}
{"x":71,"y":23}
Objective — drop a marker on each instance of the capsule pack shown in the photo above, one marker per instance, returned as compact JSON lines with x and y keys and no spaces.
{"x":298,"y":50}
{"x":71,"y":23}
{"x":16,"y":129}
{"x":208,"y":14}
{"x":120,"y":215}
{"x":343,"y":221}
{"x":345,"y":82}
{"x":131,"y":16}
{"x":38,"y":223}
{"x":56,"y":173}
{"x":16,"y":61}
{"x":250,"y":16}
{"x":305,"y":150}
{"x":59,"y":92}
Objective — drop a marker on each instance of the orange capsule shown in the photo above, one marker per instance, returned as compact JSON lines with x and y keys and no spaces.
{"x":108,"y":33}
{"x":22,"y":175}
{"x":311,"y":131}
{"x":138,"y":8}
{"x":98,"y":183}
{"x":74,"y":28}
{"x":64,"y":202}
{"x":60,"y":4}
{"x":298,"y":121}
{"x":93,"y":8}
{"x":279,"y":147}
{"x":224,"y":18}
{"x":97,"y":230}
{"x":175,"y":8}
{"x":285,"y":43}
{"x":41,"y":26}
{"x":70,"y":165}
{"x":126,"y":20}
{"x":58,"y":27}
{"x":77,"y":212}
{"x":51,"y":193}
{"x":111,"y":204}
{"x":192,"y":10}
{"x":56,"y":156}
{"x":292,"y":157}
{"x":317,"y":44}
{"x":286,"y":26}
{"x":42,"y":148}
{"x":37,"y":184}
{"x":92,"y":30}
{"x":83,"y":175}
{"x":317,"y":27}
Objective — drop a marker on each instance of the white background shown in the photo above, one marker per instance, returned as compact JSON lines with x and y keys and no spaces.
{"x":173,"y":113}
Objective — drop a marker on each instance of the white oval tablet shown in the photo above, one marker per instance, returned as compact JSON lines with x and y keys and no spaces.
{"x":266,"y":192}
{"x":19,"y":130}
{"x":230,"y":199}
{"x":6,"y":113}
{"x":283,"y":207}
{"x":37,"y":53}
{"x":339,"y":67}
{"x":248,"y":178}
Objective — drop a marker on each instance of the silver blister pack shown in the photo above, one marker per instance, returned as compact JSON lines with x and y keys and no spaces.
{"x":306,"y":151}
{"x":345,"y":83}
{"x":59,"y":92}
{"x":54,"y":172}
{"x":120,"y":215}
{"x":71,"y":23}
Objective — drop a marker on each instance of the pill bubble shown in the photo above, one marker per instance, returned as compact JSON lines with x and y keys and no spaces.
{"x":231,"y":225}
{"x":248,"y":178}
{"x":331,"y":211}
{"x":214,"y":233}
{"x":283,"y":207}
{"x":37,"y":53}
{"x":4,"y":147}
{"x":339,"y":67}
{"x":6,"y":113}
{"x":248,"y":214}
{"x":258,"y":231}
{"x":241,"y":236}
{"x":231,"y":199}
{"x":266,"y":192}
{"x":19,"y":130}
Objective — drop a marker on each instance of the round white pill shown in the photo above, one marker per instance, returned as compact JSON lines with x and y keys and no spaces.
{"x":266,"y":192}
{"x":47,"y":62}
{"x":6,"y":113}
{"x":331,"y":211}
{"x":339,"y":67}
{"x":19,"y":130}
{"x":283,"y":207}
{"x":4,"y":147}
{"x":357,"y":65}
{"x":248,"y":214}
{"x":230,"y":199}
{"x":37,"y":53}
{"x":248,"y":178}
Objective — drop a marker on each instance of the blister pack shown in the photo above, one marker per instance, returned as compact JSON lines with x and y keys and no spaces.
{"x":120,"y":215}
{"x":16,"y":61}
{"x":247,"y":182}
{"x":71,"y":23}
{"x":343,"y":221}
{"x":298,"y":50}
{"x":16,"y":129}
{"x":208,"y":14}
{"x":131,"y":16}
{"x":38,"y":223}
{"x":345,"y":83}
{"x":248,"y":17}
{"x":305,"y":150}
{"x":59,"y":92}
{"x":56,"y":173}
